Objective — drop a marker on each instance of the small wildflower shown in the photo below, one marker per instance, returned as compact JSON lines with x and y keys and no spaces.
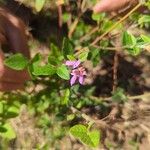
{"x":77,"y":74}
{"x":73,"y":64}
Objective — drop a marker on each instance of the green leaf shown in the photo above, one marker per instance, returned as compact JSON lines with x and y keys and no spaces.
{"x":95,"y":137}
{"x":39,"y":4}
{"x":45,"y":70}
{"x":42,"y":105}
{"x":55,"y":51}
{"x":2,"y":129}
{"x":66,"y":17}
{"x":135,"y":51}
{"x":38,"y":70}
{"x":37,"y":58}
{"x":44,"y":121}
{"x":8,"y":133}
{"x":147,"y":4}
{"x":128,"y":39}
{"x":71,"y":57}
{"x":107,"y":24}
{"x":1,"y":107}
{"x":145,"y":38}
{"x":52,"y":60}
{"x":70,"y":117}
{"x":12,"y":112}
{"x":144,"y":19}
{"x":98,"y":16}
{"x":119,"y":96}
{"x":94,"y":55}
{"x":130,"y":42}
{"x":78,"y":130}
{"x":104,"y":43}
{"x":67,"y":47}
{"x":83,"y":56}
{"x":61,"y":58}
{"x":63,"y":72}
{"x":85,"y":136}
{"x":17,"y":62}
{"x":65,"y":98}
{"x":93,"y":52}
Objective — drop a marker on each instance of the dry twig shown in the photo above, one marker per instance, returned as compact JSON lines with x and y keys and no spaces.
{"x":116,"y":24}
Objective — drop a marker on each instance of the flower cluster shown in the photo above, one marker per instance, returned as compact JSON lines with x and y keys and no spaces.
{"x":78,"y":72}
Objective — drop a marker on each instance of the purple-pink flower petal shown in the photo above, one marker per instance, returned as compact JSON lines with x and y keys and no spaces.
{"x":73,"y":79}
{"x":84,"y":73}
{"x":76,"y":64}
{"x":73,"y":72}
{"x":73,"y":64}
{"x":69,"y":63}
{"x":78,"y":72}
{"x":81,"y":79}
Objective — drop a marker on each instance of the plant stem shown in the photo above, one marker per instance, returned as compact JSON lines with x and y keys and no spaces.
{"x":88,"y":118}
{"x":139,"y":96}
{"x":116,"y":24}
{"x":103,"y":99}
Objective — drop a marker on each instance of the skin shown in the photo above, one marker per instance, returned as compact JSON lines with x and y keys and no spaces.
{"x":12,"y":33}
{"x":112,"y":5}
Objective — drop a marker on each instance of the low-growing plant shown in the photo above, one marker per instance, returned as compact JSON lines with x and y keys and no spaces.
{"x":63,"y":72}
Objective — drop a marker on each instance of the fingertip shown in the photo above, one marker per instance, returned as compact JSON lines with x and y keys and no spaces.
{"x":102,"y":6}
{"x":96,"y":9}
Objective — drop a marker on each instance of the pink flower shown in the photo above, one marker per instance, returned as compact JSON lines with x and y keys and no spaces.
{"x":73,"y":64}
{"x":77,"y":74}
